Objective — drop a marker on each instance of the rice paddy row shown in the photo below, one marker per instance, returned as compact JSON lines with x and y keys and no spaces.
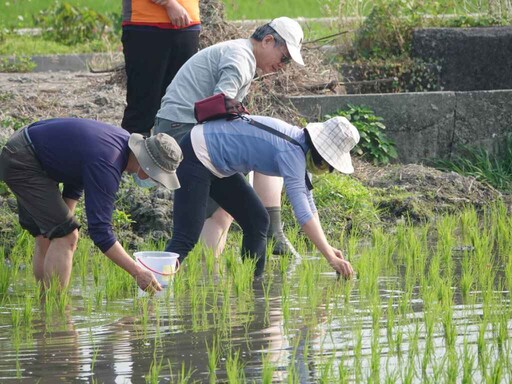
{"x":429,"y":304}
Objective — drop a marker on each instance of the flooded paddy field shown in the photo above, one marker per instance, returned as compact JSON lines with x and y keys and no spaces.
{"x":430,"y":304}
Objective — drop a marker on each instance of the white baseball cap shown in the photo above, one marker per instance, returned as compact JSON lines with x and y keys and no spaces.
{"x":292,"y":34}
{"x":333,"y":139}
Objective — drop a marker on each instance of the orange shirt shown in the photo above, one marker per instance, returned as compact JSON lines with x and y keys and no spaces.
{"x":145,"y":12}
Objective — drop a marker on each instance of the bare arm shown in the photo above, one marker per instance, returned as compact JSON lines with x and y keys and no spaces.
{"x":334,"y":257}
{"x":177,"y":14}
{"x":144,"y":278}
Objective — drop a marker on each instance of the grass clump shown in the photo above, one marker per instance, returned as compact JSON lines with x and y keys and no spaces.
{"x":485,"y":166}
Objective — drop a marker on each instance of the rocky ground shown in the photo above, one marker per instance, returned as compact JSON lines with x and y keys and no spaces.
{"x":401,"y":190}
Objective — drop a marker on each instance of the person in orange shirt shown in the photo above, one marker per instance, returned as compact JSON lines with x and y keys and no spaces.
{"x":159,"y":36}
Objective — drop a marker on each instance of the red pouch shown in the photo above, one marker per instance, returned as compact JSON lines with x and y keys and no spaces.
{"x":217,"y":107}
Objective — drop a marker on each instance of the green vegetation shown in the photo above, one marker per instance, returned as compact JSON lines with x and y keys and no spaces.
{"x":77,"y":26}
{"x":492,"y":168}
{"x":419,"y":298}
{"x":39,"y":45}
{"x":374,"y":146}
{"x":71,"y":25}
{"x":22,"y":14}
{"x":16,"y":63}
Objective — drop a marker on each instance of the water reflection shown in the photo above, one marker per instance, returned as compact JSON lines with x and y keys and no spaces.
{"x":335,"y":330}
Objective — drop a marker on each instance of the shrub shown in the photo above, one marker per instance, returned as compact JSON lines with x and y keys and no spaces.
{"x":374,"y":145}
{"x":387,"y":31}
{"x":71,"y":25}
{"x":16,"y":63}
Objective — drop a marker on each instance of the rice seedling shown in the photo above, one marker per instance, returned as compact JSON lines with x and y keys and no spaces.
{"x":243,"y":276}
{"x":154,"y":370}
{"x":81,"y":259}
{"x":234,"y":368}
{"x":183,"y":377}
{"x":267,"y":370}
{"x":5,"y":276}
{"x":326,"y":371}
{"x":27,"y":310}
{"x":213,"y":359}
{"x":284,"y":264}
{"x":452,"y":368}
{"x":210,"y":261}
{"x":94,"y":358}
{"x":56,"y":297}
{"x":376,"y":351}
{"x":358,"y":353}
{"x":178,"y":284}
{"x":445,"y":243}
{"x":467,"y":279}
{"x":390,"y":323}
{"x":194,"y":266}
{"x":16,"y":318}
{"x":468,"y":362}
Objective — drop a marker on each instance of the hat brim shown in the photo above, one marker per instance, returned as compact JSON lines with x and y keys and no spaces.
{"x":295,"y":53}
{"x":341,"y":163}
{"x":168,"y":179}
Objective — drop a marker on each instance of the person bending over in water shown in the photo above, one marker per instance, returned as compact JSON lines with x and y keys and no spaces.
{"x":87,"y":157}
{"x":216,"y":154}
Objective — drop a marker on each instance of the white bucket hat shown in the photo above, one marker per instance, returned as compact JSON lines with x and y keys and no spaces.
{"x":159,"y":157}
{"x":333,"y":139}
{"x":292,"y":34}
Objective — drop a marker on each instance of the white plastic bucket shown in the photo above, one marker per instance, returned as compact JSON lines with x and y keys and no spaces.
{"x":162,"y":264}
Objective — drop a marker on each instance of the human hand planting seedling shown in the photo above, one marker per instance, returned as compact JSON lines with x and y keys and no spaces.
{"x":146,"y":281}
{"x":342,"y":266}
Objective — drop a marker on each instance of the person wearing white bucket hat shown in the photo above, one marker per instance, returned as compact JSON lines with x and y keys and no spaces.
{"x":217,"y":152}
{"x":229,"y":67}
{"x":87,"y":157}
{"x":333,"y":141}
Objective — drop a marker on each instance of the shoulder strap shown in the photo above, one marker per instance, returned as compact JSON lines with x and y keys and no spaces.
{"x":257,"y":124}
{"x":275,"y":132}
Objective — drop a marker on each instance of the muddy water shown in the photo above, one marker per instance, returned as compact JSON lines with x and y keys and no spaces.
{"x":113,"y":343}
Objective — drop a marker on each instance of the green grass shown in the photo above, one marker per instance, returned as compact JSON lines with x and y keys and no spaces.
{"x":19,"y":13}
{"x":491,"y":168}
{"x":37,"y":45}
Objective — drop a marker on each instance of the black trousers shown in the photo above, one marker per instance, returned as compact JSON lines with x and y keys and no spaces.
{"x":232,"y":193}
{"x":152,"y":56}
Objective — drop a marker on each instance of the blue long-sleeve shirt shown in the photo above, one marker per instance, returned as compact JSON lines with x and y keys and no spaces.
{"x":236,"y":146}
{"x":88,"y":157}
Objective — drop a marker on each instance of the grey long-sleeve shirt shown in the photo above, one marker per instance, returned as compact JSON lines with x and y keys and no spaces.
{"x":227,"y":67}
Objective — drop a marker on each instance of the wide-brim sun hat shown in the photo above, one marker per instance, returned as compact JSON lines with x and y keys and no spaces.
{"x":158,"y":156}
{"x":292,"y":34}
{"x":334,"y":139}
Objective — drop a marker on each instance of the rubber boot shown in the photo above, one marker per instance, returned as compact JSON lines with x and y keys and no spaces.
{"x":282,"y":245}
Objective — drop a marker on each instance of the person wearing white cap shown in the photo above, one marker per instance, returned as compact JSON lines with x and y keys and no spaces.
{"x":229,"y":68}
{"x":217,"y":152}
{"x":87,"y":157}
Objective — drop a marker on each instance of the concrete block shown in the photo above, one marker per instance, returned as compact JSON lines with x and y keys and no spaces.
{"x":427,"y":126}
{"x":470,"y":58}
{"x":420,"y":124}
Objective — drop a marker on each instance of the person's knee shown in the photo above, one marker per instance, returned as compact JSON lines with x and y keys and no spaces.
{"x":221,"y":218}
{"x":69,"y":241}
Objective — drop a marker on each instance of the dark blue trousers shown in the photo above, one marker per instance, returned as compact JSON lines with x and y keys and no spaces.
{"x":232,"y":193}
